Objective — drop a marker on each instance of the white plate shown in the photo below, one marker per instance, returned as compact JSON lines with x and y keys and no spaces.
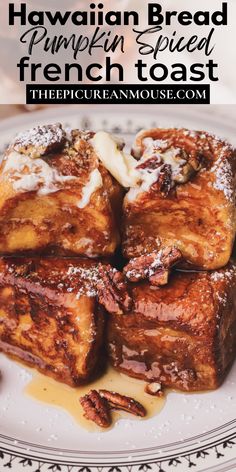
{"x":195,"y":432}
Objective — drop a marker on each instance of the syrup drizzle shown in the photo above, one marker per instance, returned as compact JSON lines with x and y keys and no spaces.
{"x":51,"y":392}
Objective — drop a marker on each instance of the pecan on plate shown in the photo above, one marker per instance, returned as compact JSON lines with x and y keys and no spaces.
{"x":155,"y":266}
{"x":96,"y":409}
{"x":40,"y":140}
{"x":121,"y":402}
{"x":154,"y":389}
{"x":189,"y":166}
{"x":112,"y":290}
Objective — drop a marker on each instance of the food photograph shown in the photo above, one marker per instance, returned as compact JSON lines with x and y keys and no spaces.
{"x":117,"y":288}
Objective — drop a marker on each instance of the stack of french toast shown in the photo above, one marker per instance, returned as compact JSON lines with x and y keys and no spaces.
{"x":107,"y":254}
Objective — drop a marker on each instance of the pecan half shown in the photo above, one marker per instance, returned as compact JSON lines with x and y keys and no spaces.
{"x":189,"y":165}
{"x":40,"y":140}
{"x":121,"y":402}
{"x":112,"y":290}
{"x":187,"y":170}
{"x":96,"y":409}
{"x":155,"y":266}
{"x":164,"y":181}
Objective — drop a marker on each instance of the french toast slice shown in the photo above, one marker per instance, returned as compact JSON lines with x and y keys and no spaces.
{"x":182,"y":334}
{"x":185,"y":199}
{"x":56,"y":197}
{"x":50,"y":318}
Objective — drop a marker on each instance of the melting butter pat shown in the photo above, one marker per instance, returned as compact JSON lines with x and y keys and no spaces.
{"x":120,"y":164}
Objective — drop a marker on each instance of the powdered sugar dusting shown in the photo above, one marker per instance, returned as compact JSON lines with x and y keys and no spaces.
{"x":155,"y":264}
{"x":27,"y":171}
{"x":222,"y":168}
{"x":204,"y":143}
{"x":222,"y":298}
{"x":89,"y":276}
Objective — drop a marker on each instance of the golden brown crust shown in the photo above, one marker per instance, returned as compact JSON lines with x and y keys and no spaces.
{"x":182,"y":335}
{"x":197,"y":217}
{"x":50,"y":318}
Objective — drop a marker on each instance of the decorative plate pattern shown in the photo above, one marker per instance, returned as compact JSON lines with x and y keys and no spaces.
{"x":195,"y":432}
